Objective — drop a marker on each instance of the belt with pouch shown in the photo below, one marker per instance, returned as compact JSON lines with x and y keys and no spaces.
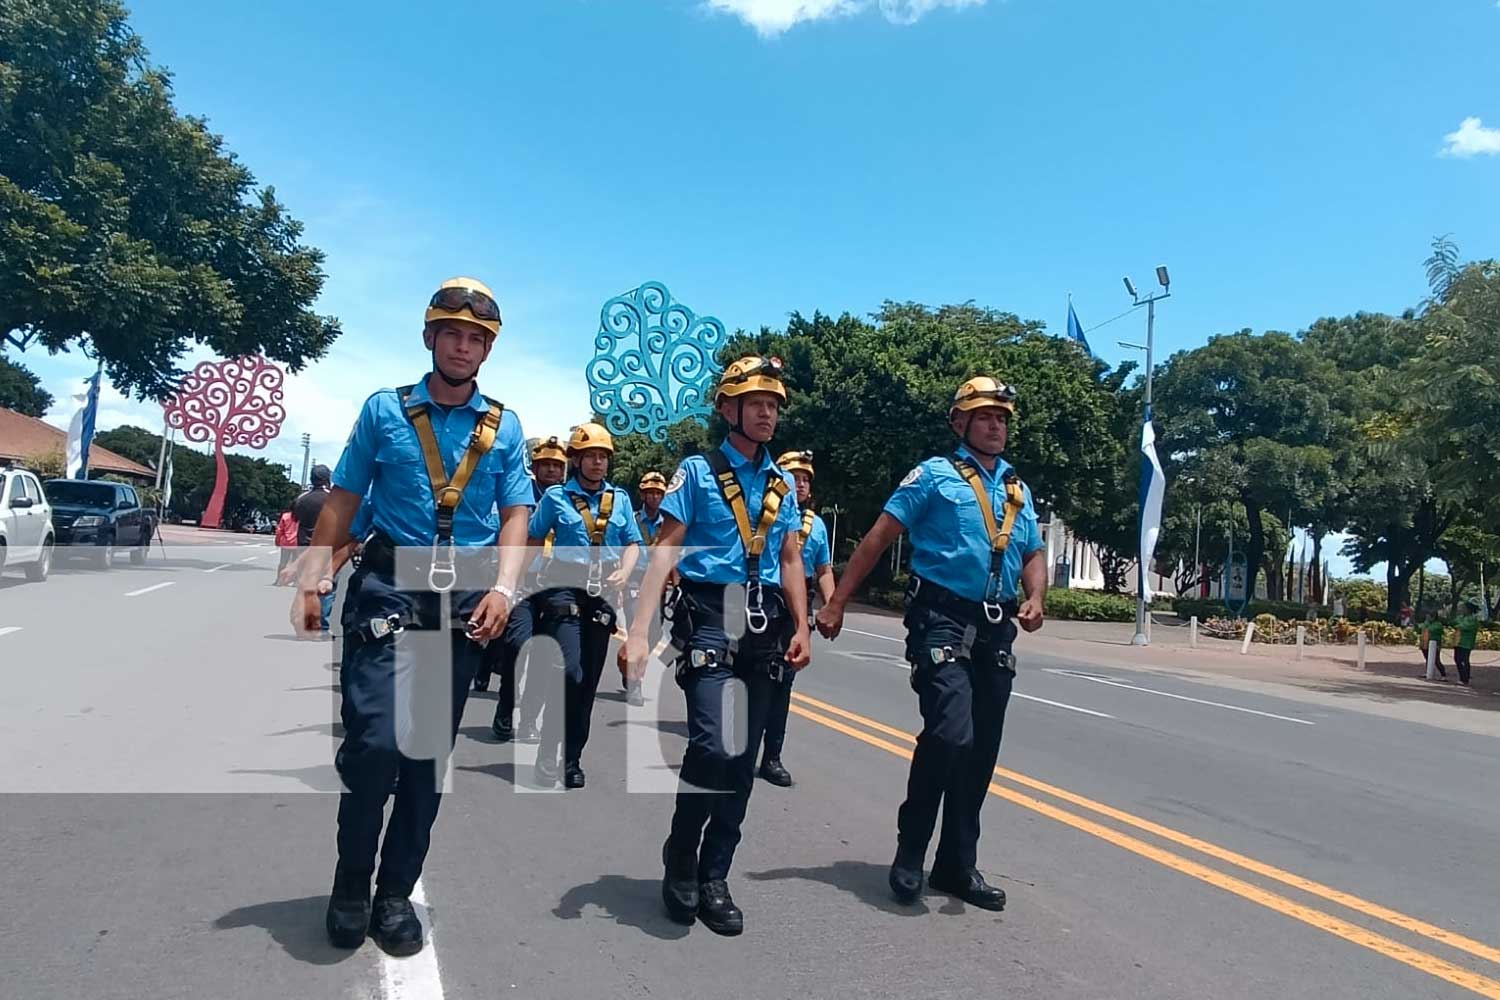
{"x":981,"y":614}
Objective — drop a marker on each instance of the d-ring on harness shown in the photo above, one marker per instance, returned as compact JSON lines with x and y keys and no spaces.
{"x":754,"y":542}
{"x":442,"y":575}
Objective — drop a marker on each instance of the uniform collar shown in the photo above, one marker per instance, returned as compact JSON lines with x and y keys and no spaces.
{"x":574,"y":486}
{"x":1001,"y":465}
{"x":652,"y":520}
{"x":419,"y":394}
{"x":738,"y":460}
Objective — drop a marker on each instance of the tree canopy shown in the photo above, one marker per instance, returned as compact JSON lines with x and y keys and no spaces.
{"x":21,"y":390}
{"x":127,"y":228}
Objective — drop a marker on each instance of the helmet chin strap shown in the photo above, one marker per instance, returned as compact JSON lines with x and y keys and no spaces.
{"x":738,"y":427}
{"x":454,"y":382}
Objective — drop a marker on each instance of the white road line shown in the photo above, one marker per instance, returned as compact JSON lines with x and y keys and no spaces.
{"x":215,"y":569}
{"x":875,"y":635}
{"x":147,"y":590}
{"x":1058,"y":704}
{"x":1014,"y":694}
{"x":249,"y":559}
{"x":1181,"y":697}
{"x":8,"y":629}
{"x":417,"y":977}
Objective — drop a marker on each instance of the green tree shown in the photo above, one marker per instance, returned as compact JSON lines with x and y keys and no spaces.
{"x":126,"y":227}
{"x":21,"y":390}
{"x":1259,"y":408}
{"x":257,"y":486}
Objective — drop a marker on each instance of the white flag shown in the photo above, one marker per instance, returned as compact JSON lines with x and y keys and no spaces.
{"x":1153,"y":488}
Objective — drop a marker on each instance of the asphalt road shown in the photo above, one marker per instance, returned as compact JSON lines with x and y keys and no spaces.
{"x":168,"y":814}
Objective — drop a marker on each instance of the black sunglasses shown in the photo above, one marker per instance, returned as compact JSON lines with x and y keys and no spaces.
{"x":480,"y":305}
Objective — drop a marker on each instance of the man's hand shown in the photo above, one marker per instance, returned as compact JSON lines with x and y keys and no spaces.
{"x":307,"y":613}
{"x":489,"y":619}
{"x":1031,"y":614}
{"x":799,"y":650}
{"x":632,"y":656}
{"x":616,"y":581}
{"x":831,"y":620}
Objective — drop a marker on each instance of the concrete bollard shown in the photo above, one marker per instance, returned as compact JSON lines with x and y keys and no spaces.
{"x":1301,"y":638}
{"x":1362,"y":639}
{"x":1193,"y":631}
{"x":1432,"y":648}
{"x":1249,"y":634}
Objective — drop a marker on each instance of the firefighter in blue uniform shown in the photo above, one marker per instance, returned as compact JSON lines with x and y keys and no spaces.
{"x":739,"y":617}
{"x":817,"y":567}
{"x":549,"y":465}
{"x":975,"y":545}
{"x":444,"y":468}
{"x":595,"y":548}
{"x":653,"y":488}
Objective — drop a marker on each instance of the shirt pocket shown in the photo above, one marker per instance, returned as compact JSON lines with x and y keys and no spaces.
{"x":958,"y":514}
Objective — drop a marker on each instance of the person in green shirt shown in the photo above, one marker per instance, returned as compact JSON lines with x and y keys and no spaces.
{"x":1428,"y":632}
{"x":1468,"y":633}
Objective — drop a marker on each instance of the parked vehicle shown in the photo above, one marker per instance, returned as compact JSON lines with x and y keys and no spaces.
{"x":94,"y":518}
{"x":27,"y":535}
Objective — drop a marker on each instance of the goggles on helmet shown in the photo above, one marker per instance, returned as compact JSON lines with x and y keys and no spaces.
{"x":480,"y":305}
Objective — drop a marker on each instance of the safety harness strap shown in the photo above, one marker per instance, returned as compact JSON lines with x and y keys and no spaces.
{"x":596,"y":527}
{"x":1015,"y":500}
{"x":448,"y":493}
{"x":754,"y":542}
{"x":808,"y":516}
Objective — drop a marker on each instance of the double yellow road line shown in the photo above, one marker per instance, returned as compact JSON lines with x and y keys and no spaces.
{"x":897,"y":742}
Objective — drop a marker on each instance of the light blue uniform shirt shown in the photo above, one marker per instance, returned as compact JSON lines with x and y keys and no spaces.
{"x":556,"y":512}
{"x":950,"y":544}
{"x":693,"y":498}
{"x":383,"y":459}
{"x":815,"y":552}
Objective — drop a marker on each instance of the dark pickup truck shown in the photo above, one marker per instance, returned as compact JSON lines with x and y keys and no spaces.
{"x":94,"y":518}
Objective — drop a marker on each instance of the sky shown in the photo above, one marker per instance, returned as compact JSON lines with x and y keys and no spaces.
{"x":1287,"y":161}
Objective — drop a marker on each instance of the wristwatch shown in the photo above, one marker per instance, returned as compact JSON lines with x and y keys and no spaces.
{"x":509,"y":593}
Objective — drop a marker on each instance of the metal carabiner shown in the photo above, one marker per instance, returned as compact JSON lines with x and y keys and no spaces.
{"x":379,"y":628}
{"x":442,"y":570}
{"x":595,"y":585}
{"x":756,"y":619}
{"x":994,"y":612}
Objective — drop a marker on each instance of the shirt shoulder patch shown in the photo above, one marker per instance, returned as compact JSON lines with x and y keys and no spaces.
{"x":912,"y":476}
{"x":679,"y":479}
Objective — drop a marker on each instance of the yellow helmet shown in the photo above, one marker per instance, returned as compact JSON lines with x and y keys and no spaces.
{"x":549,"y":450}
{"x":752,"y":374}
{"x":586,"y":436}
{"x":467,"y":300}
{"x":797,"y":461}
{"x":982,"y":391}
{"x":654,"y":481}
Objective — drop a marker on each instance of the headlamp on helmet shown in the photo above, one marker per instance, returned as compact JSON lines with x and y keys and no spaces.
{"x":752,"y":374}
{"x":550,"y":450}
{"x":981,"y":392}
{"x":797,"y":461}
{"x":653,"y":481}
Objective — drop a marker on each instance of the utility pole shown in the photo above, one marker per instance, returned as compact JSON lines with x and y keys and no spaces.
{"x":306,"y":459}
{"x":1141,"y":638}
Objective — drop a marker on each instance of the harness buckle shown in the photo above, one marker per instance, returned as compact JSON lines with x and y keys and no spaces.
{"x":442,"y":574}
{"x":595,"y":584}
{"x":941,"y":655}
{"x":994,"y":612}
{"x":756,"y":619}
{"x":379,"y":628}
{"x":669,"y":603}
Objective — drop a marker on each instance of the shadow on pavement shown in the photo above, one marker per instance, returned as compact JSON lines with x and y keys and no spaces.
{"x":629,"y":902}
{"x":672,"y":727}
{"x":332,"y":729}
{"x":320,"y":778}
{"x":864,"y":881}
{"x":295,"y":924}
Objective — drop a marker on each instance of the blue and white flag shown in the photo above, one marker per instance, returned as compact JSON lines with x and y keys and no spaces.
{"x":1075,"y":329}
{"x":81,"y":428}
{"x":1153,"y":489}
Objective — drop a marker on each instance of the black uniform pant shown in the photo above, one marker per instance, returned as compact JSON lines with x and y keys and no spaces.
{"x":503,"y":657}
{"x":582,"y":626}
{"x":718,"y":768}
{"x":1461,"y":660}
{"x":781,"y":703}
{"x":963,"y":704}
{"x":391,"y":705}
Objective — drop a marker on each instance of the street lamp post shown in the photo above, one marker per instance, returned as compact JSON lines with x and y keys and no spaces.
{"x":1141,"y":638}
{"x":306,"y":459}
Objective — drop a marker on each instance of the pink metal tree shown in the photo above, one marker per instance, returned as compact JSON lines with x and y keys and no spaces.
{"x":234,"y":403}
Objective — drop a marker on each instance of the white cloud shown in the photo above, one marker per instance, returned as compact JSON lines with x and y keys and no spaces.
{"x":1472,"y":139}
{"x":773,"y":17}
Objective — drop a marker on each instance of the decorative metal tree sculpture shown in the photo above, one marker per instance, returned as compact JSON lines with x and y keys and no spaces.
{"x":235,"y":404}
{"x":653,"y":362}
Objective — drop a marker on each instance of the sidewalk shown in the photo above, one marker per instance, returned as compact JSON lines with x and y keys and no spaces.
{"x":1391,"y":684}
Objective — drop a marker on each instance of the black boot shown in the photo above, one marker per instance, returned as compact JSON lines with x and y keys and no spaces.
{"x":772,"y":771}
{"x":906,"y":876}
{"x":572,"y":775}
{"x":717,"y":910}
{"x":395,"y":926}
{"x":502,"y":729}
{"x":544,"y":775}
{"x":348,"y":910}
{"x":679,"y":884}
{"x":968,"y":885}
